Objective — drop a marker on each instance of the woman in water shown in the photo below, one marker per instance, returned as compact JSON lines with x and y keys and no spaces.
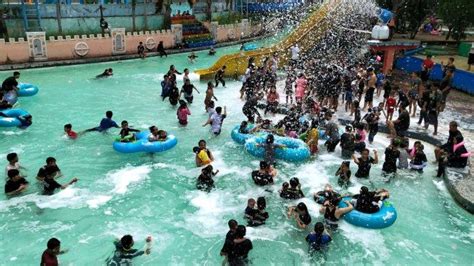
{"x":241,"y":247}
{"x":300,"y":214}
{"x":319,"y":239}
{"x":332,"y":213}
{"x":344,"y":174}
{"x":182,"y":113}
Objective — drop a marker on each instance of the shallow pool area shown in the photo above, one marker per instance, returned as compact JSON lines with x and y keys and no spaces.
{"x":143,"y":194}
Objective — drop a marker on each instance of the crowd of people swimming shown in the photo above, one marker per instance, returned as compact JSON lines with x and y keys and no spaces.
{"x":316,"y":86}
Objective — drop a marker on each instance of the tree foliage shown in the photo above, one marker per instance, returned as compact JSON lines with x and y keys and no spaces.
{"x":457,"y":15}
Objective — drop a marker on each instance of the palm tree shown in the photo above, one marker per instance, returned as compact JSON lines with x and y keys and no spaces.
{"x":134,"y":4}
{"x":58,"y":16}
{"x":209,"y":10}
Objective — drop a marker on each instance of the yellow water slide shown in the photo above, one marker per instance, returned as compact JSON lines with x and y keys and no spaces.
{"x":306,"y":36}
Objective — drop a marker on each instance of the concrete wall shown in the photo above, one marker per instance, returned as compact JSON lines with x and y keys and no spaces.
{"x":17,"y":51}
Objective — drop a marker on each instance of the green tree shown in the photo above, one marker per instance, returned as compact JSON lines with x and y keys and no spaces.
{"x":457,"y":15}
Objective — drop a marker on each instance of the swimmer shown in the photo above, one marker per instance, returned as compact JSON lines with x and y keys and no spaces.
{"x":107,"y":73}
{"x":154,"y":134}
{"x":192,"y":57}
{"x":229,"y":238}
{"x":124,"y":251}
{"x":187,"y":90}
{"x":220,"y":76}
{"x":270,"y":147}
{"x":332,"y":213}
{"x":344,"y":174}
{"x":203,"y":155}
{"x":15,"y":184}
{"x":182,"y":113}
{"x":293,"y":190}
{"x":13,"y":163}
{"x":212,"y":51}
{"x":105,"y":124}
{"x":205,"y":181}
{"x":125,"y":135}
{"x":49,"y":256}
{"x":300,"y":214}
{"x":51,"y":169}
{"x":319,"y":238}
{"x":265,"y":175}
{"x":50,"y":185}
{"x":69,"y":132}
{"x":216,"y":120}
{"x":25,"y":121}
{"x":327,"y":194}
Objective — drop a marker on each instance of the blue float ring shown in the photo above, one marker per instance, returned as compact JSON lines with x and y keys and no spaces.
{"x":296,"y":150}
{"x":12,"y":117}
{"x":143,"y":145}
{"x":385,"y":217}
{"x":250,"y":46}
{"x":26,"y":89}
{"x":239,"y":137}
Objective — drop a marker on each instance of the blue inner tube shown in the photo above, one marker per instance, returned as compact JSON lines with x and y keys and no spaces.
{"x":250,"y":46}
{"x":25,"y":89}
{"x":143,"y":145}
{"x":239,"y":137}
{"x":296,"y":150}
{"x":385,"y":217}
{"x":12,"y":117}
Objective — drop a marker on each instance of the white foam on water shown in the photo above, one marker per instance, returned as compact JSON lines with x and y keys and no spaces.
{"x":206,"y":220}
{"x":12,"y":133}
{"x":441,"y":186}
{"x":123,"y":178}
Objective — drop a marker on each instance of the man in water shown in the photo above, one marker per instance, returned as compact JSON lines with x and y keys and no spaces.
{"x":15,"y":183}
{"x":51,"y":169}
{"x":49,"y":257}
{"x":216,"y":120}
{"x":229,"y":238}
{"x":11,"y":83}
{"x":105,"y":123}
{"x":124,"y":253}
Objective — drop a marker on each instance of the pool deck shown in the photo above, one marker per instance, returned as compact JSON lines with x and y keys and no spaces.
{"x":39,"y":64}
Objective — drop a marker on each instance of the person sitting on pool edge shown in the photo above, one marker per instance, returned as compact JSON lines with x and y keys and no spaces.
{"x":105,"y":124}
{"x":205,"y":181}
{"x":125,"y":135}
{"x":293,"y":191}
{"x":319,"y":238}
{"x":51,"y":169}
{"x":264,"y":176}
{"x":203,"y":155}
{"x":332,"y":213}
{"x":107,"y":73}
{"x":15,"y":183}
{"x":368,"y":201}
{"x":157,"y":135}
{"x":69,"y":132}
{"x":124,"y":251}
{"x":300,"y":214}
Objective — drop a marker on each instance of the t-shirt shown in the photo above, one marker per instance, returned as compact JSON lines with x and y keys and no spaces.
{"x":9,"y":83}
{"x":72,"y":135}
{"x":364,"y":167}
{"x":404,"y":119}
{"x":332,"y":130}
{"x":229,"y":241}
{"x":183,"y":114}
{"x":428,"y":63}
{"x":49,"y":185}
{"x":403,"y":159}
{"x":391,"y":157}
{"x":317,"y":242}
{"x":11,"y":185}
{"x":106,"y":123}
{"x":250,"y":212}
{"x":188,"y":90}
{"x":240,"y":251}
{"x":11,"y":167}
{"x":47,"y":170}
{"x":216,"y":122}
{"x":48,"y":259}
{"x":122,"y":256}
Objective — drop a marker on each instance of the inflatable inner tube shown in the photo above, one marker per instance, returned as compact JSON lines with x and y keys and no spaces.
{"x":143,"y":145}
{"x":385,"y":217}
{"x":295,"y":151}
{"x":240,"y":137}
{"x":11,"y":119}
{"x":25,"y":89}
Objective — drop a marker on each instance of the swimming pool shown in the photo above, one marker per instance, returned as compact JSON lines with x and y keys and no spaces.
{"x":155,"y":195}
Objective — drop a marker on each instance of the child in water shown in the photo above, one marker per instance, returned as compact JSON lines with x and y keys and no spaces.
{"x":124,"y":251}
{"x":125,"y":133}
{"x":419,"y":159}
{"x":205,"y":181}
{"x":192,"y":57}
{"x":182,"y":113}
{"x":68,"y":130}
{"x":344,"y":174}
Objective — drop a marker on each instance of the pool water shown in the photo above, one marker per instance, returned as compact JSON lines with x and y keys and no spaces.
{"x":143,"y":194}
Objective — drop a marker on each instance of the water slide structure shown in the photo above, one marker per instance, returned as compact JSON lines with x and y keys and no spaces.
{"x":306,"y":36}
